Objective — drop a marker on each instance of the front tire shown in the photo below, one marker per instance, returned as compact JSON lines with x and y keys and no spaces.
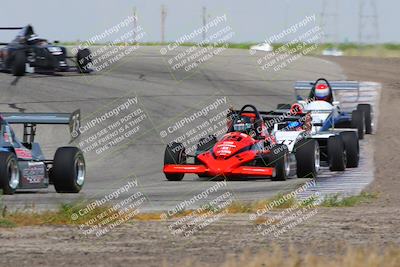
{"x":9,"y":173}
{"x":358,"y":122}
{"x":69,"y":170}
{"x":83,"y":60}
{"x":307,"y":158}
{"x":174,"y":154}
{"x":279,"y":159}
{"x":18,"y":64}
{"x":352,"y":147}
{"x":336,"y":154}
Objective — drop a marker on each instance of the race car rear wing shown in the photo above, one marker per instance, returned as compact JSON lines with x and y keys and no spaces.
{"x":336,"y":85}
{"x":282,"y":116}
{"x":30,"y":120}
{"x":9,"y":28}
{"x":36,"y":118}
{"x":340,"y":90}
{"x":271,"y":118}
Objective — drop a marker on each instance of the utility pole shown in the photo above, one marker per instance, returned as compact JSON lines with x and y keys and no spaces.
{"x":134,"y":25}
{"x":329,"y":21}
{"x":163,"y":17}
{"x":286,"y":15}
{"x":204,"y":22}
{"x":368,"y":28}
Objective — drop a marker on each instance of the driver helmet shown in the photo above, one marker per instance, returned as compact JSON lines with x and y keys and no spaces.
{"x":294,"y":125}
{"x":243,"y":125}
{"x":322,"y":92}
{"x":33,"y":38}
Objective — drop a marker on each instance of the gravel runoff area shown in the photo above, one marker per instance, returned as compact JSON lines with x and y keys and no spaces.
{"x":327,"y":232}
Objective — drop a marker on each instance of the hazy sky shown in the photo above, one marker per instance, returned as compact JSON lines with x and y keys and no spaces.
{"x":251,"y":20}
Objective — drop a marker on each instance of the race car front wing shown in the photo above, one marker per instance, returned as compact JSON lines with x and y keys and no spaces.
{"x":203,"y":170}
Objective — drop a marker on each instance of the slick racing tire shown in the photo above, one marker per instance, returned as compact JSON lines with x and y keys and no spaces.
{"x":336,"y":153}
{"x":18,"y":64}
{"x":307,"y":158}
{"x":352,"y":147}
{"x":283,"y":106}
{"x":367,"y":110}
{"x":358,"y":122}
{"x":204,"y":145}
{"x":83,"y":60}
{"x":174,"y":154}
{"x":279,"y":158}
{"x":9,"y":173}
{"x":69,"y":170}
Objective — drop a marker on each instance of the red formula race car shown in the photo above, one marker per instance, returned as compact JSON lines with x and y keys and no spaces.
{"x":247,"y":150}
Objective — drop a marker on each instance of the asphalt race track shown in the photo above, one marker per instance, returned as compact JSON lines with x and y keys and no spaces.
{"x":165,"y":97}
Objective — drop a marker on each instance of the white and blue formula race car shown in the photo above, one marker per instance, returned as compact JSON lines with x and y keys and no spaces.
{"x":327,"y":111}
{"x":336,"y":130}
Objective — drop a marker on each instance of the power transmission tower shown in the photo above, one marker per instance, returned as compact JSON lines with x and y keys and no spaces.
{"x":163,"y":17}
{"x":329,"y":21}
{"x":204,"y":22}
{"x":368,"y":28}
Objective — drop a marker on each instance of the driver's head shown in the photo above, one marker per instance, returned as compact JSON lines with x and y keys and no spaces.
{"x":322,"y":92}
{"x":244,"y":125}
{"x":294,"y":125}
{"x":33,"y":38}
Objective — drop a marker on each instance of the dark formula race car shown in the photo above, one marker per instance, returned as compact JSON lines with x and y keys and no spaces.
{"x":23,"y":164}
{"x":28,"y":53}
{"x":247,"y":150}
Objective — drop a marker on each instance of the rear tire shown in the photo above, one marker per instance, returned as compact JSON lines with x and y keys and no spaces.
{"x":69,"y":170}
{"x":336,"y":153}
{"x":307,"y":158}
{"x":367,"y":110}
{"x":351,"y":145}
{"x":174,"y":154}
{"x":279,"y":158}
{"x":9,"y":173}
{"x":18,"y":64}
{"x":358,"y":122}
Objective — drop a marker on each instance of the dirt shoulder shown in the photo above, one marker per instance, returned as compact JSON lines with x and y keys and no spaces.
{"x":387,"y":142}
{"x":327,"y":232}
